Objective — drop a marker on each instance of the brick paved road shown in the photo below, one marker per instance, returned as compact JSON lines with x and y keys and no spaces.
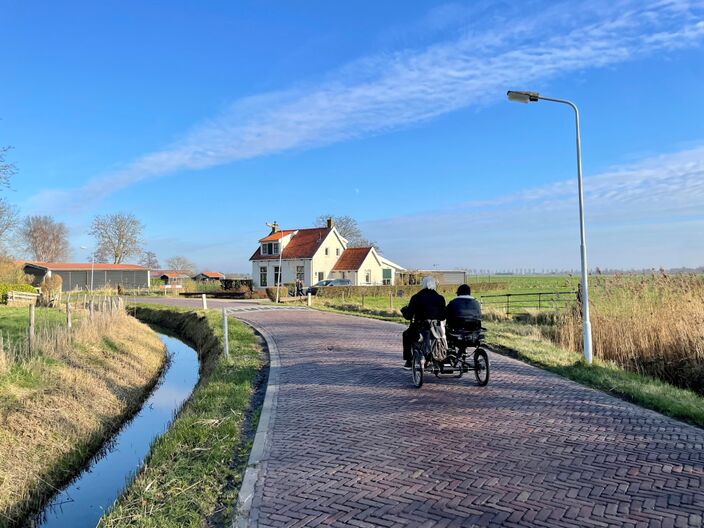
{"x":354,"y":444}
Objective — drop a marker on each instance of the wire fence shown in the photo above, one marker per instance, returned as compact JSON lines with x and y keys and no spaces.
{"x":513,"y":303}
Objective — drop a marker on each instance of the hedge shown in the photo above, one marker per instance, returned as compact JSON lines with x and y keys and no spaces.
{"x":336,"y":292}
{"x":8,"y":287}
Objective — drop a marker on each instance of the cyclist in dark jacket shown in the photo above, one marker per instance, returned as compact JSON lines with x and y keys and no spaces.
{"x":464,"y":312}
{"x":425,"y":305}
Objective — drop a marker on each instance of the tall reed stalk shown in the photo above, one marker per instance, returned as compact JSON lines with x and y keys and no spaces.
{"x":650,"y":324}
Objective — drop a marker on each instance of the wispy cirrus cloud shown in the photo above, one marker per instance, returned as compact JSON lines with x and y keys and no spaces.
{"x":643,"y":214}
{"x":391,"y":90}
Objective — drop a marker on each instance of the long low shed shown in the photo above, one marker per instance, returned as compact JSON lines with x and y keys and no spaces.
{"x":84,"y":276}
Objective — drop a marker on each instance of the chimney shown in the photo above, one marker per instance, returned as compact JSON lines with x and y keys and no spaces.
{"x":331,"y":223}
{"x":274,"y":227}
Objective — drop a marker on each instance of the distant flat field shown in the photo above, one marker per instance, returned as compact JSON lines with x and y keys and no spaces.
{"x":524,"y":283}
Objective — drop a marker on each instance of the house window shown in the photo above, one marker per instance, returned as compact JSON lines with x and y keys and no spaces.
{"x":270,"y":248}
{"x":368,"y":276}
{"x":386,"y":275}
{"x":344,"y":275}
{"x":337,"y":251}
{"x":327,"y":252}
{"x":300,"y":273}
{"x":321,"y":276}
{"x":262,"y":276}
{"x":276,"y":276}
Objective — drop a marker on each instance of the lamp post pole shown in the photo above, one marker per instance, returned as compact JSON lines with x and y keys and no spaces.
{"x":281,"y":271}
{"x":526,"y":97}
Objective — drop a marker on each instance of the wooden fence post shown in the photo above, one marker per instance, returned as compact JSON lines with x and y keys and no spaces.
{"x":31,"y":328}
{"x":91,"y":308}
{"x":68,"y":315}
{"x":310,"y":299}
{"x":225,"y":333}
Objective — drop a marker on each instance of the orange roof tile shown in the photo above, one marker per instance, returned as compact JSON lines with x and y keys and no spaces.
{"x":273,"y":237}
{"x":351,"y":259}
{"x":303,"y":244}
{"x":83,"y":265}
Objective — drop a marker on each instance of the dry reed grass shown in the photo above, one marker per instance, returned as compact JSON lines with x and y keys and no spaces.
{"x":58,"y":403}
{"x":652,"y":325}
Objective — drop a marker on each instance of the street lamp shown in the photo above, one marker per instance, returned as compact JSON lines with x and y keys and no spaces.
{"x":531,"y":97}
{"x":92,"y":266}
{"x":281,"y":271}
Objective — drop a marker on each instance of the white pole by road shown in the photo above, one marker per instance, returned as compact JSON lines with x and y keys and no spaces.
{"x":225,"y":333}
{"x":281,"y":271}
{"x":526,"y":97}
{"x":205,"y":302}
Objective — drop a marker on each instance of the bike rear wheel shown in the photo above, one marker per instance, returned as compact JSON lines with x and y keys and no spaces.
{"x":481,"y":367}
{"x":417,"y":370}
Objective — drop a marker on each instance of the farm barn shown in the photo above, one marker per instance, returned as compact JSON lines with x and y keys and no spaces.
{"x":79,"y":276}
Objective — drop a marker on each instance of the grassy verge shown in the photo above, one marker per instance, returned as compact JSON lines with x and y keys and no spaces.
{"x":188,"y":473}
{"x":526,"y":343}
{"x":59,"y":403}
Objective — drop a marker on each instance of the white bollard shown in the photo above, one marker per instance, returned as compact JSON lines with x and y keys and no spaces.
{"x":225,"y":333}
{"x":310,"y":300}
{"x":205,"y":302}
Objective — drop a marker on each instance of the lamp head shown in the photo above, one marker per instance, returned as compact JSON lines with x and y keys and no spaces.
{"x":522,"y":97}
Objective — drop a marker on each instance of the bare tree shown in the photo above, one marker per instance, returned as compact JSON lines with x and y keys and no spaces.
{"x":348,"y":227}
{"x":6,"y":169}
{"x":182,"y":264}
{"x":45,"y":239}
{"x":118,"y":236}
{"x":149,"y":260}
{"x":9,"y":218}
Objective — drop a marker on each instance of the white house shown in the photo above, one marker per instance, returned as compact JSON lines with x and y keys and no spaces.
{"x":316,"y":254}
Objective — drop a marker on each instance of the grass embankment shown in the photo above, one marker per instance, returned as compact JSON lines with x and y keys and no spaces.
{"x":528,"y":343}
{"x":59,"y":402}
{"x":188,"y":476}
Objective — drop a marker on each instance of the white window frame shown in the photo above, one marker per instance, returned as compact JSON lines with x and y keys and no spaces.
{"x":327,"y":251}
{"x":368,"y":276}
{"x":263,"y":273}
{"x":321,"y":276}
{"x":337,"y":252}
{"x":277,"y":280}
{"x":301,"y":273}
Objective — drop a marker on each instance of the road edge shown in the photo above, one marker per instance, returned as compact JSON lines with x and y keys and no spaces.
{"x":242,"y":517}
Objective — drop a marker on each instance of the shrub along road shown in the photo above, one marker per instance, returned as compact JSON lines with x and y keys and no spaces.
{"x":351,"y":442}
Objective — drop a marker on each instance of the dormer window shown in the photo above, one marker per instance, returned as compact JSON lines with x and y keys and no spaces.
{"x":270,"y":248}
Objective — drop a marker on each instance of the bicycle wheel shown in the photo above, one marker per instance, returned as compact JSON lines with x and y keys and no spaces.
{"x":417,"y":369}
{"x":481,"y":366}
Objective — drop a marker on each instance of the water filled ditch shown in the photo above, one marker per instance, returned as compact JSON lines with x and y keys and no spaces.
{"x":86,"y":498}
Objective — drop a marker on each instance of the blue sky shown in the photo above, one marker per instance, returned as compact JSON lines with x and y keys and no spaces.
{"x":207,"y":122}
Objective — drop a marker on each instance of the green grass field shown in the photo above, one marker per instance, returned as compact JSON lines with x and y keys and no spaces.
{"x":14,"y":322}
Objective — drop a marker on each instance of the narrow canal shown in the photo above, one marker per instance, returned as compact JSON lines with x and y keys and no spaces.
{"x":84,"y":500}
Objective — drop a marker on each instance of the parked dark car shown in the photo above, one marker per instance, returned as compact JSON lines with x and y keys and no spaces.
{"x":313,"y":290}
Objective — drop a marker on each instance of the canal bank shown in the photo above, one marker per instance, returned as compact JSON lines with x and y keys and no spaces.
{"x":84,"y":501}
{"x":192,"y":474}
{"x":59,"y":404}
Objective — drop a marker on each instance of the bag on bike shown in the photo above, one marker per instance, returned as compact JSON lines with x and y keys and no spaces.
{"x":437,"y":343}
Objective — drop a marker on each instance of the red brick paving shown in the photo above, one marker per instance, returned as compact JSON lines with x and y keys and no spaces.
{"x":354,"y":444}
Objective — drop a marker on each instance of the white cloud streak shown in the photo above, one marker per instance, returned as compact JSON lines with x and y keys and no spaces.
{"x":387,"y":91}
{"x":648,"y":213}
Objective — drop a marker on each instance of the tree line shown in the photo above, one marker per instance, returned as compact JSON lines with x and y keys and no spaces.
{"x":117,"y":236}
